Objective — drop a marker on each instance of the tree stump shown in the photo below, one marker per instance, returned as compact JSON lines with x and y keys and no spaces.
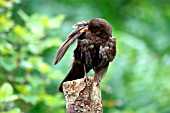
{"x":83,"y":97}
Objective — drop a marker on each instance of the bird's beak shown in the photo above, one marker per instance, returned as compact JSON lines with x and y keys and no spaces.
{"x":84,"y":30}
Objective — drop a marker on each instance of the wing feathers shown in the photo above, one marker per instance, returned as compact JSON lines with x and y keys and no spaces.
{"x":63,"y":48}
{"x":101,"y":72}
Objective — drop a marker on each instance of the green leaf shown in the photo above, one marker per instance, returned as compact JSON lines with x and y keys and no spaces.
{"x":20,"y":31}
{"x":8,"y":63}
{"x":10,"y":98}
{"x":3,"y":3}
{"x":53,"y":101}
{"x":26,"y":65}
{"x":23,"y":15}
{"x":35,"y":26}
{"x":35,"y":59}
{"x":6,"y":93}
{"x":6,"y":90}
{"x":23,"y":89}
{"x":5,"y":47}
{"x":5,"y":23}
{"x":43,"y":67}
{"x":35,"y":48}
{"x":56,"y":22}
{"x":32,"y":99}
{"x":51,"y":42}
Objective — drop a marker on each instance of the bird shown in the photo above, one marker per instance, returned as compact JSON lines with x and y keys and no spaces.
{"x":95,"y":49}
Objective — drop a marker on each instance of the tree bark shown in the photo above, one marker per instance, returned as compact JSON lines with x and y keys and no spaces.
{"x":83,"y":97}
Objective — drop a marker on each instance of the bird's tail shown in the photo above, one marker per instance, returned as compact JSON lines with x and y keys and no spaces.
{"x":76,"y":72}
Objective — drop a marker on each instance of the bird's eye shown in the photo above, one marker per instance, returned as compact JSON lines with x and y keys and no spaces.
{"x":101,"y":28}
{"x":95,"y":29}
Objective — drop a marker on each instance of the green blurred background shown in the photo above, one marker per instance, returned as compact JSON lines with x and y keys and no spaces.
{"x":137,"y":81}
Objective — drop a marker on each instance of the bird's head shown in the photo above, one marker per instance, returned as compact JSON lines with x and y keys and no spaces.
{"x":100,"y":28}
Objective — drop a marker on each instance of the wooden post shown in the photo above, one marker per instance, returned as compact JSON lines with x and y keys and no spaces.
{"x":83,"y":97}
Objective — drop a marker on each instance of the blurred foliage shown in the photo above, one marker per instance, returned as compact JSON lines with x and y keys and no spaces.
{"x":31,"y":31}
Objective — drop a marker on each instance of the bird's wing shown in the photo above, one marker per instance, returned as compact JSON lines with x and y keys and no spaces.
{"x":107,"y":54}
{"x":71,"y":38}
{"x":112,"y":52}
{"x":80,"y":24}
{"x":107,"y":51}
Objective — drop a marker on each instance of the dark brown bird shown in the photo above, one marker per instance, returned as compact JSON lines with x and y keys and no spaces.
{"x":95,"y":49}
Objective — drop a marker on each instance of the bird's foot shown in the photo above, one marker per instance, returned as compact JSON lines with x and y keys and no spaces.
{"x":85,"y":75}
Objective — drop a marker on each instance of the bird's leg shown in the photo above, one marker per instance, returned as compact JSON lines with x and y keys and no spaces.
{"x":85,"y":75}
{"x":95,"y":73}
